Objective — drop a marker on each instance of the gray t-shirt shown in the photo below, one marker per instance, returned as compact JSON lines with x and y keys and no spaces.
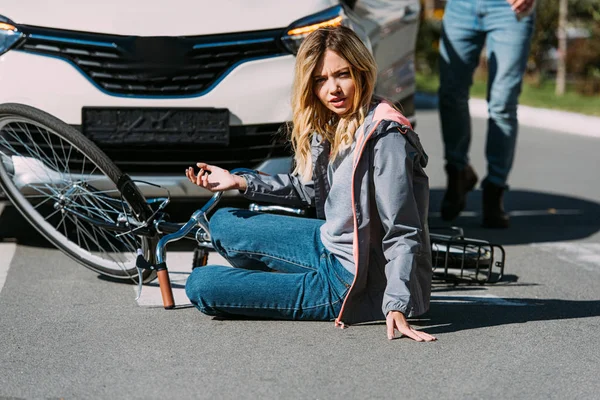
{"x":337,"y":233}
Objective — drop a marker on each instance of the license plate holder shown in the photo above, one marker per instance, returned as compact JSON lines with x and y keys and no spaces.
{"x":117,"y":126}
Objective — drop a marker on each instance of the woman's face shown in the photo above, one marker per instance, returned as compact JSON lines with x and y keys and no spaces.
{"x":333,"y":84}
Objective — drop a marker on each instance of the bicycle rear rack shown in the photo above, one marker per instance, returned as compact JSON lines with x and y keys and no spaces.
{"x":457,"y":259}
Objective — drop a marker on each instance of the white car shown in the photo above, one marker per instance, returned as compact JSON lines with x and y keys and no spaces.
{"x":160,"y":85}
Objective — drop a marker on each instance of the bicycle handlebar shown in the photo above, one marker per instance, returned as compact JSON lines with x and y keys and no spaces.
{"x":198,"y":219}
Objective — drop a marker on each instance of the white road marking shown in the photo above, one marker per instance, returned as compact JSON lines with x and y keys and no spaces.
{"x":519,"y":213}
{"x":484,"y":299}
{"x":584,"y":255}
{"x":180,"y":267}
{"x":7,"y":252}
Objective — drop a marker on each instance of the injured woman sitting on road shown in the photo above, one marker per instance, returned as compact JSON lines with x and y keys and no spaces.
{"x":360,"y":165}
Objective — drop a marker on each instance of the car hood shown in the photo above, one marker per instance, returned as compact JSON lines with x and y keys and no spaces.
{"x":160,"y":17}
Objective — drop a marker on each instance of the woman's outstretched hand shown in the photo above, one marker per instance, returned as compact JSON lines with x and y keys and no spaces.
{"x":397,"y":320}
{"x":214,"y":178}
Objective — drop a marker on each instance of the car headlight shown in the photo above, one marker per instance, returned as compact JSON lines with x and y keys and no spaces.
{"x":334,"y":16}
{"x":9,"y":34}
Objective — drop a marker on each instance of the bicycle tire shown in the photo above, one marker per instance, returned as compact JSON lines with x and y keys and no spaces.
{"x":39,"y":154}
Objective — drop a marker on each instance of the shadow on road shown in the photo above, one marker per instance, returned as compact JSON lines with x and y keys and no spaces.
{"x":14,"y":227}
{"x":459,"y":313}
{"x":450,"y":314}
{"x":536,"y":217}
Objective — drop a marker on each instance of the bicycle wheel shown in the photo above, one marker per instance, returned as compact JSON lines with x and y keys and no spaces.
{"x":63,"y":184}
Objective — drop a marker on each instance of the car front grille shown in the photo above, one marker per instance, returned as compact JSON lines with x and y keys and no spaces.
{"x":152,"y":66}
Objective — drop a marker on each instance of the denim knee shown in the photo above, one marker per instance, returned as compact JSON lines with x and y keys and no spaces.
{"x":499,"y":110}
{"x":199,"y":288}
{"x":220,"y":226}
{"x":220,"y":221}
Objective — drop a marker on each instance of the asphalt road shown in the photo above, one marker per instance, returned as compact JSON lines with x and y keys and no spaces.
{"x":65,"y":333}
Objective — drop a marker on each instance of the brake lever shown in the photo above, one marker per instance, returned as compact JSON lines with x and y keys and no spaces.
{"x":139,"y":286}
{"x":140,"y":265}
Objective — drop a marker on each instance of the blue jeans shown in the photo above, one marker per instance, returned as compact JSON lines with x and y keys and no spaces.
{"x":466,"y":27}
{"x":281,"y":269}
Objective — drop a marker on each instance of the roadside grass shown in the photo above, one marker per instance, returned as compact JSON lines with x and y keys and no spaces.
{"x":533,"y":94}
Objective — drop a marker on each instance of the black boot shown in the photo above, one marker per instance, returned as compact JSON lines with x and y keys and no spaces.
{"x":494,"y":215}
{"x":460,"y":182}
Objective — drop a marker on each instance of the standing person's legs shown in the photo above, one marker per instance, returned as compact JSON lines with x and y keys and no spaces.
{"x":312,"y":284}
{"x":508,"y":43}
{"x":460,"y":47}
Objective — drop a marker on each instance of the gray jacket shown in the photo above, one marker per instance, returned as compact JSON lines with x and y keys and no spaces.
{"x":391,"y":198}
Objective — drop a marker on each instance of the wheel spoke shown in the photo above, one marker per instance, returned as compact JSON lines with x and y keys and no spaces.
{"x":102,"y":201}
{"x":66,"y":159}
{"x":106,"y":241}
{"x":47,"y":218}
{"x":48,"y":140}
{"x":55,"y":183}
{"x":39,"y":151}
{"x":33,"y":153}
{"x":42,"y":193}
{"x":38,"y":205}
{"x":96,"y":207}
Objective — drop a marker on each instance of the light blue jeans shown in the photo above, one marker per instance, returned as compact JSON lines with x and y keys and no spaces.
{"x":466,"y":27}
{"x":281,"y":269}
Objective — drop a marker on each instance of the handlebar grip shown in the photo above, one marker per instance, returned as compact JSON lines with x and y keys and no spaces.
{"x":165,"y":289}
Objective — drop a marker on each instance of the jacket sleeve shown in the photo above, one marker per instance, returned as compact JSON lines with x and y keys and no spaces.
{"x":393,"y":162}
{"x":283,"y":189}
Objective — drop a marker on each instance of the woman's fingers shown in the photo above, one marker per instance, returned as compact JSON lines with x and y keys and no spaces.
{"x":424,"y":335}
{"x":211,"y":177}
{"x":411,"y":333}
{"x":199,"y":177}
{"x":414,"y":334}
{"x":205,"y":170}
{"x":190,"y":174}
{"x":205,"y":166}
{"x":202,"y":178}
{"x":396,"y":320}
{"x":390,"y":328}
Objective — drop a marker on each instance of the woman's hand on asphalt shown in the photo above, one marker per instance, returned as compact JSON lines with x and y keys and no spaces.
{"x":397,"y":320}
{"x":214,"y":178}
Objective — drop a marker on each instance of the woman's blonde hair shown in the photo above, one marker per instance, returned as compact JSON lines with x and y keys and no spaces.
{"x":310,"y":116}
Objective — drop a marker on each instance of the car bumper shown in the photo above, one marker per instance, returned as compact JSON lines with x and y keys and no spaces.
{"x":255,"y":92}
{"x":152,"y":186}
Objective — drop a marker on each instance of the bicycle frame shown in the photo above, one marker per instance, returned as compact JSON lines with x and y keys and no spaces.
{"x":198,"y":224}
{"x":449,"y":251}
